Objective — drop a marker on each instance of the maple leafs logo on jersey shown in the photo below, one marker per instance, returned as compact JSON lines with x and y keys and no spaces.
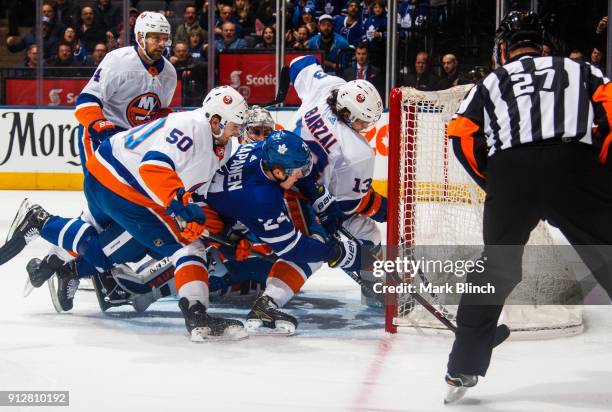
{"x":282,"y":149}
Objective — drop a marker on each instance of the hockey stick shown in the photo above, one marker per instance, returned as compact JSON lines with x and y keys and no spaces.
{"x":501,"y":333}
{"x":283,"y":87}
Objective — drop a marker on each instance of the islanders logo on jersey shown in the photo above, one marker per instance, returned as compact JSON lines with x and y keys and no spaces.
{"x":143,"y":108}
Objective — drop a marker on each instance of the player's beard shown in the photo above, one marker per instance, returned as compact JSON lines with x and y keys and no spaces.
{"x":155,"y":54}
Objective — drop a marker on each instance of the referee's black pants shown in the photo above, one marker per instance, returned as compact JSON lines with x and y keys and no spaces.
{"x":559,"y":182}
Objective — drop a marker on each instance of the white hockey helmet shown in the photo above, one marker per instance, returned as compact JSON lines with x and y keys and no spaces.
{"x":361,"y":99}
{"x":227,"y":103}
{"x":151,"y":22}
{"x":257,"y":116}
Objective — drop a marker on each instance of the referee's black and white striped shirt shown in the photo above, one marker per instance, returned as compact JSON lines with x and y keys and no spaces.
{"x":531,"y":99}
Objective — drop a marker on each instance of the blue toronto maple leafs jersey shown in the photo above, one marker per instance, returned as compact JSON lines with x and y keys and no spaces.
{"x":241,"y":191}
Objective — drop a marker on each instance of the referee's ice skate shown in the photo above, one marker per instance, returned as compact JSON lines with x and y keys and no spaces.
{"x":458,"y":384}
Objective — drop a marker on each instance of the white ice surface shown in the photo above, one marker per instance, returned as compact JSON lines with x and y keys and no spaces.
{"x":341,"y":360}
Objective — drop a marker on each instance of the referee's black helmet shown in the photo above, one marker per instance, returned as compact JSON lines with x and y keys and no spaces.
{"x":518,"y":29}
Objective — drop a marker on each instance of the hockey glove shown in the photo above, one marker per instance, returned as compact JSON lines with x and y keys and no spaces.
{"x":101,"y":129}
{"x":327,"y":209}
{"x":244,"y":248}
{"x":189,"y":216}
{"x":375,"y":206}
{"x":347,"y":256}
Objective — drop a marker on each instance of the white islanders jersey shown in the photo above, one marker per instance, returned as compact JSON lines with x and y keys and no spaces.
{"x":149,"y":162}
{"x":129,"y":92}
{"x":344,"y":160}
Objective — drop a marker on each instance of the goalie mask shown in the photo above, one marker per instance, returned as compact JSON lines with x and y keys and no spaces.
{"x":150,"y":22}
{"x":517,"y":29}
{"x":259,"y":124}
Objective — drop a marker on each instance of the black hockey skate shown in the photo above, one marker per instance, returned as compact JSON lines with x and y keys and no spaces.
{"x":204,"y":328}
{"x":62,"y":295}
{"x":39,"y":271}
{"x":265,"y":318}
{"x":458,"y":384}
{"x":25,"y":228}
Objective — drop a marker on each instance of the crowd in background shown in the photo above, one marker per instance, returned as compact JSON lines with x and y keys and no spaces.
{"x":351,"y":33}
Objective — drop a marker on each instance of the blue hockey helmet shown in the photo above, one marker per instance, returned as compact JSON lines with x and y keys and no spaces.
{"x":288,"y":151}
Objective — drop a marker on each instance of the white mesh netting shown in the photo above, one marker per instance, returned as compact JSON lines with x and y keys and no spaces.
{"x":441,"y":205}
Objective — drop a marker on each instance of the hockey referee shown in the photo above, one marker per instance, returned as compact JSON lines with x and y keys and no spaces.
{"x":526,"y":134}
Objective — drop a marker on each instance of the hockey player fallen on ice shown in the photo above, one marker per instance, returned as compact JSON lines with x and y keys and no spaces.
{"x":143,"y":179}
{"x":132,"y":86}
{"x":257,"y":176}
{"x":524,"y":133}
{"x":330,"y":119}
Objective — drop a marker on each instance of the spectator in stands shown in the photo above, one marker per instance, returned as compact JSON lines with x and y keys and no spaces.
{"x":79,"y":51}
{"x":111,"y":42}
{"x":302,"y":35}
{"x":546,"y":49}
{"x":229,"y":40}
{"x":333,"y":7}
{"x":362,"y":69}
{"x":332,"y":43}
{"x":89,"y":32}
{"x":197,"y":44}
{"x":451,"y":77}
{"x":181,"y":59}
{"x":366,"y":8}
{"x":226,"y":15}
{"x":96,"y":57}
{"x":313,"y":29}
{"x":108,"y":14}
{"x":67,"y":12}
{"x":268,"y":39}
{"x":64,"y":56}
{"x":301,"y":7}
{"x":423,"y":79}
{"x":351,"y":25}
{"x":375,"y":28}
{"x":190,"y":22}
{"x":597,"y":58}
{"x":15,"y":45}
{"x":31,"y":60}
{"x":308,"y":15}
{"x":56,"y":27}
{"x":576,"y":55}
{"x":245,"y":16}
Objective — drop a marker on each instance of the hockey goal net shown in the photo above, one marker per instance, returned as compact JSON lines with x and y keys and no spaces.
{"x":433,"y":201}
